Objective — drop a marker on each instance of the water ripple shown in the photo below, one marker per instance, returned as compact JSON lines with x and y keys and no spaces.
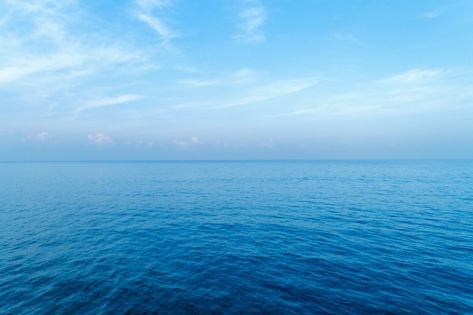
{"x":251,"y":237}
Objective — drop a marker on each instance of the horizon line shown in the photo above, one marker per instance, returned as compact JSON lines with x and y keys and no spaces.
{"x":235,"y":160}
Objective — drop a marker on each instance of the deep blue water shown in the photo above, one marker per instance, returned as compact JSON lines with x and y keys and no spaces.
{"x":340,"y":237}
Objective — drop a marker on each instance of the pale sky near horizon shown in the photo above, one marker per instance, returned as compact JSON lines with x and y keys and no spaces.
{"x":235,"y":79}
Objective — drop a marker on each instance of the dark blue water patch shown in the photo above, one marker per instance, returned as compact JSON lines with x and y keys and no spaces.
{"x":334,"y":237}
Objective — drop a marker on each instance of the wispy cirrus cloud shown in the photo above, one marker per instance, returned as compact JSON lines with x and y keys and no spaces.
{"x":146,"y":13}
{"x":252,"y":19}
{"x":270,"y":91}
{"x":109,"y":101}
{"x":415,"y":90}
{"x":44,"y":50}
{"x":415,"y":75}
{"x":158,"y":25}
{"x":69,"y":59}
{"x":197,"y":83}
{"x":245,"y":75}
{"x":240,"y":77}
{"x":235,"y":95}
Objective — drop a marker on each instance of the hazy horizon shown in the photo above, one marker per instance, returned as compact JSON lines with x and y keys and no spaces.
{"x":233,"y":160}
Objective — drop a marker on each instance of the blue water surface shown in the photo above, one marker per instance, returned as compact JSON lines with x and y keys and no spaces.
{"x":306,"y":237}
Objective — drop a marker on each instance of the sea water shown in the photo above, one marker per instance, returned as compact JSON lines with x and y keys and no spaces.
{"x":274,"y":237}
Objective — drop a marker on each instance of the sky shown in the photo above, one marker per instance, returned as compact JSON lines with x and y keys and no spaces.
{"x":235,"y":79}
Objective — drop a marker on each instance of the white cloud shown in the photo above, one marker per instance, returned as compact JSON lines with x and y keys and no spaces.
{"x":109,"y":101}
{"x":53,"y":71}
{"x":252,"y":19}
{"x":194,"y":83}
{"x":245,"y":75}
{"x":26,"y":66}
{"x":238,"y":95}
{"x":100,"y":138}
{"x":412,"y":91}
{"x":157,"y":25}
{"x":298,"y":112}
{"x":186,"y":143}
{"x":48,"y":19}
{"x":42,"y":136}
{"x":269,"y":91}
{"x":195,"y":140}
{"x":414,"y":75}
{"x":45,"y":53}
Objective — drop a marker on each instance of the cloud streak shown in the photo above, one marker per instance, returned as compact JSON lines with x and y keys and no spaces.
{"x":155,"y":22}
{"x":252,"y":19}
{"x":46,"y":53}
{"x":415,"y":75}
{"x":270,"y":91}
{"x":109,"y":101}
{"x":412,"y":91}
{"x":158,"y":26}
{"x":238,"y":95}
{"x":197,"y":83}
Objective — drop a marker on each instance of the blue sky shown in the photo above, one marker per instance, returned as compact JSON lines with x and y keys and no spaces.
{"x":235,"y":79}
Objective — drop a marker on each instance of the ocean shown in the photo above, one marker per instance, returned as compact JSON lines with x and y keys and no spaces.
{"x":237,"y":237}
